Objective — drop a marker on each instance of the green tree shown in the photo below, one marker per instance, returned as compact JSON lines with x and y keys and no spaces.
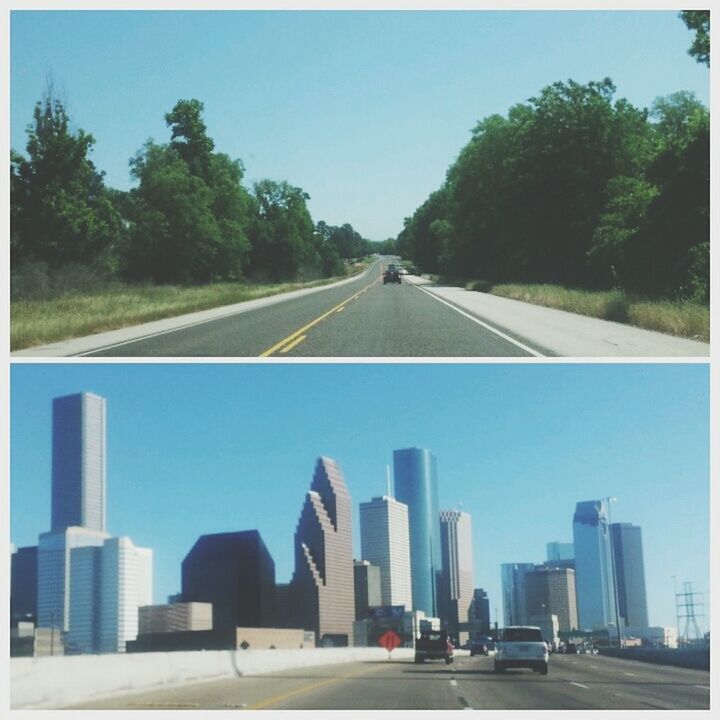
{"x":189,"y":136}
{"x":283,"y":246}
{"x":699,"y":21}
{"x":60,"y":209}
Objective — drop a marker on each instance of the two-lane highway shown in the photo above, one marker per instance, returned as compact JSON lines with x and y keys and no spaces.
{"x":362,"y":318}
{"x":584,"y":682}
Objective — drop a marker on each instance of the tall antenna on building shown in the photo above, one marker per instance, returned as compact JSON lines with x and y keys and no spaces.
{"x":687,"y":608}
{"x":387,"y":474}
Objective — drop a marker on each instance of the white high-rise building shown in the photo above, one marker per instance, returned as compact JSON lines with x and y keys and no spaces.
{"x":385,"y":542}
{"x":54,"y":572}
{"x":126,"y":585}
{"x":457,"y":587}
{"x":108,"y":586}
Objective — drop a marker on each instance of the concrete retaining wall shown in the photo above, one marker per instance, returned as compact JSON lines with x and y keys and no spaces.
{"x":696,"y":659}
{"x":58,"y":681}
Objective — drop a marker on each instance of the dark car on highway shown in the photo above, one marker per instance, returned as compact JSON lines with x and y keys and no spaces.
{"x":391,"y":274}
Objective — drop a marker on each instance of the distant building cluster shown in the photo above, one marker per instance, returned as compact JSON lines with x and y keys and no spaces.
{"x":592,"y":586}
{"x":82,"y":591}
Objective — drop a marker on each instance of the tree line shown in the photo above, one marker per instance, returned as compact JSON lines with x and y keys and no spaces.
{"x":576,"y":188}
{"x":189,"y":219}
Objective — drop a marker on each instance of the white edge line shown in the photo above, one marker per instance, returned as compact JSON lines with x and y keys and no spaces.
{"x":577,"y":684}
{"x":703,"y":687}
{"x":517,"y":343}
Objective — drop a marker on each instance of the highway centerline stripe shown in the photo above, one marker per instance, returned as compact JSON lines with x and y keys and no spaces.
{"x":314,"y":322}
{"x":501,"y":334}
{"x":630,"y":674}
{"x":305,"y":688}
{"x":577,"y":684}
{"x":703,"y":687}
{"x":453,"y":682}
{"x":295,"y":342}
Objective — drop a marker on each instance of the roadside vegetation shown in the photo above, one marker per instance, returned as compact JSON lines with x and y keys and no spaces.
{"x":685,"y":318}
{"x":86,"y":257}
{"x":577,"y":189}
{"x":114,"y":305}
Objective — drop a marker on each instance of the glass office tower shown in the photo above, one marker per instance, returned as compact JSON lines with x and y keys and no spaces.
{"x":416,"y":485}
{"x":630,"y":574}
{"x":594,"y":577}
{"x":78,"y":462}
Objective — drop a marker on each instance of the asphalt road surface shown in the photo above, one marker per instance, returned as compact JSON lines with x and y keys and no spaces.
{"x":363,"y":318}
{"x":581,"y":682}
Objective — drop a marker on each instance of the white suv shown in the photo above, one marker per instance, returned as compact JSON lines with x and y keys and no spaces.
{"x":522,"y":646}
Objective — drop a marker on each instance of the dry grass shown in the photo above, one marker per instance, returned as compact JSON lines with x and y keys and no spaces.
{"x":36,"y":322}
{"x":675,"y":317}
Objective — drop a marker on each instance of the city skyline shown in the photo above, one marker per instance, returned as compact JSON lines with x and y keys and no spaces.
{"x":362,"y":488}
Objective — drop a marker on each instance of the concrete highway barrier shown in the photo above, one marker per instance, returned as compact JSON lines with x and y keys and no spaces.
{"x":694,"y":658}
{"x":57,"y":681}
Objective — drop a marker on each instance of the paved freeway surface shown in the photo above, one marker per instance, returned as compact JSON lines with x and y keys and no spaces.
{"x":575,"y":682}
{"x":363,"y":318}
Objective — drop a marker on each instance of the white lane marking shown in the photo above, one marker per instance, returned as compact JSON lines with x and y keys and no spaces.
{"x":587,"y":687}
{"x":453,"y":682}
{"x":480,"y":322}
{"x":630,"y":674}
{"x":594,"y":667}
{"x":703,"y":687}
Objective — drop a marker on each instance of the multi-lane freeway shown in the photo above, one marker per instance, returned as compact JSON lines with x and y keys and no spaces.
{"x":582,"y":682}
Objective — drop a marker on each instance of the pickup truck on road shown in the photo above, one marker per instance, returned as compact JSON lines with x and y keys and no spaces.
{"x":433,"y":645}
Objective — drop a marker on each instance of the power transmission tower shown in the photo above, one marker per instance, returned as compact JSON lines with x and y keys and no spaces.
{"x":688,"y":609}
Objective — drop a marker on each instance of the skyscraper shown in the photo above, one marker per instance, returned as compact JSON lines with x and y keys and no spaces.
{"x":551,"y":591}
{"x":235,"y":572}
{"x":630,"y":574}
{"x":78,"y":462}
{"x":416,"y":485}
{"x":322,"y":590}
{"x":480,"y":610}
{"x":385,"y":542}
{"x":108,"y":585}
{"x":89,"y":584}
{"x":513,"y":590}
{"x":367,"y":588}
{"x":456,"y":594}
{"x":594,"y":579}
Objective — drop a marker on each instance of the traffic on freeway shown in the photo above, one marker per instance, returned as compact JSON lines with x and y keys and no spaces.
{"x":579,"y":682}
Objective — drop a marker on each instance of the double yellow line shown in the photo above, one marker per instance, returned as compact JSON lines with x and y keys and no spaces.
{"x":298,"y":336}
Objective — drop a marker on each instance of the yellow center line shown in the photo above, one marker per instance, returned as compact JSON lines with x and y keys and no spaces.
{"x":289,"y":339}
{"x":305,"y":688}
{"x":295,"y":342}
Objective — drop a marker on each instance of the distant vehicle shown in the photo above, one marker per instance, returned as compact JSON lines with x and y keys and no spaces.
{"x":522,"y":646}
{"x":433,"y":645}
{"x":478,"y":648}
{"x":391,"y":274}
{"x":572,"y":649}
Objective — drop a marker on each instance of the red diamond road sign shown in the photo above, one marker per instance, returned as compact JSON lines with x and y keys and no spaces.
{"x":390,"y":640}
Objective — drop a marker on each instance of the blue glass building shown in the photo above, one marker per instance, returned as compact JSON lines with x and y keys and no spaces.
{"x":416,"y":485}
{"x":594,"y":576}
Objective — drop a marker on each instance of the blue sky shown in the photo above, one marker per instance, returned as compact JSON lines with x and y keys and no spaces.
{"x":196,"y":448}
{"x":364,"y":110}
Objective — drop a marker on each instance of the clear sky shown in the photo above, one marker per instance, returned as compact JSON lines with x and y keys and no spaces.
{"x":364,"y":110}
{"x":198,"y":448}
